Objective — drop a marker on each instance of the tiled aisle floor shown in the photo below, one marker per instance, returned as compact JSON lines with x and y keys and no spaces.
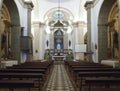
{"x":59,"y":80}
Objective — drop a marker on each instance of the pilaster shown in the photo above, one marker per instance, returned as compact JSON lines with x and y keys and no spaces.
{"x":119,"y":29}
{"x":0,"y":22}
{"x":29,"y":6}
{"x":78,"y":38}
{"x":41,"y":40}
{"x":88,"y":6}
{"x":36,"y":40}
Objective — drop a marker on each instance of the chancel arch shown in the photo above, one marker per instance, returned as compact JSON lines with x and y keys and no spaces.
{"x":59,"y":19}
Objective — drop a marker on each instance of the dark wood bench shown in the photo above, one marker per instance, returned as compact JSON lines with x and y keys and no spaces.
{"x":102,"y":89}
{"x":23,"y":70}
{"x":82,"y":75}
{"x":75,"y":71}
{"x":106,"y":82}
{"x":39,"y":77}
{"x":12,"y":84}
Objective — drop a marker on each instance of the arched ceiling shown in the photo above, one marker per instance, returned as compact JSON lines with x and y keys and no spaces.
{"x":45,"y":6}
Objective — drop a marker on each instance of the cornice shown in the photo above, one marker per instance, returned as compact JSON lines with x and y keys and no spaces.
{"x":88,"y":4}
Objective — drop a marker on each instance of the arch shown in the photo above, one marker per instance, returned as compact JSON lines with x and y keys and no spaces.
{"x":5,"y":32}
{"x":61,"y":9}
{"x":15,"y":28}
{"x":102,"y":28}
{"x":13,"y":10}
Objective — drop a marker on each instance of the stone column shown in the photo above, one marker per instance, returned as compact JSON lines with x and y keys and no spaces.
{"x":119,"y":29}
{"x":77,"y":40}
{"x":15,"y":42}
{"x":52,"y":40}
{"x":29,"y":7}
{"x":0,"y":22}
{"x":80,"y":35}
{"x":41,"y":41}
{"x":88,"y":6}
{"x":36,"y":50}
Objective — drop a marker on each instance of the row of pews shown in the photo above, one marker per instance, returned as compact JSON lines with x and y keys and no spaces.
{"x":32,"y":76}
{"x":89,"y":76}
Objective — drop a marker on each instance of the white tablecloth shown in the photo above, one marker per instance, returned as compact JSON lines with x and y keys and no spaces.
{"x":113,"y":63}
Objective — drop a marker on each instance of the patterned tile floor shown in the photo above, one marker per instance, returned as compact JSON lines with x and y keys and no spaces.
{"x":59,"y":80}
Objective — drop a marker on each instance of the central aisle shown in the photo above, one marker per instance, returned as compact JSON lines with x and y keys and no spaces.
{"x":59,"y":80}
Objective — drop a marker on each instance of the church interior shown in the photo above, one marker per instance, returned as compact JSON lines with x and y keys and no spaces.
{"x":59,"y":45}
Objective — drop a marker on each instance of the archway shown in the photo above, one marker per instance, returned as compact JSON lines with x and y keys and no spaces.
{"x":5,"y":33}
{"x":102,"y":28}
{"x":58,"y":19}
{"x":14,"y":29}
{"x":113,"y":33}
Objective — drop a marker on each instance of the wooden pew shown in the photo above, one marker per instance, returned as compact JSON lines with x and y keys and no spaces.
{"x":12,"y":84}
{"x":75,"y":71}
{"x":85,"y":69}
{"x":34,"y":70}
{"x":23,"y":70}
{"x":38,"y":76}
{"x":82,"y":75}
{"x":106,"y":82}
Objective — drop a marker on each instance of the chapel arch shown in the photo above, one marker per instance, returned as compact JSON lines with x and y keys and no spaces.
{"x":5,"y":32}
{"x":113,"y":32}
{"x":11,"y":26}
{"x":103,"y":28}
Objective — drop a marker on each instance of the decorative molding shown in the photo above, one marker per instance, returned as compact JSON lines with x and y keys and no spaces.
{"x":29,"y":4}
{"x":21,"y":2}
{"x":79,"y":23}
{"x":88,"y":4}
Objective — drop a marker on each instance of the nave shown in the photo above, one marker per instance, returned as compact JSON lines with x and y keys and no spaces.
{"x":59,"y":80}
{"x":60,"y":76}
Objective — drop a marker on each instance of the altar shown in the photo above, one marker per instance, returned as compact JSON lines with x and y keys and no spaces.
{"x":62,"y":57}
{"x":59,"y":54}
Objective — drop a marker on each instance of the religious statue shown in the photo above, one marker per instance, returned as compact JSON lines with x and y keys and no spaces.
{"x":58,"y":46}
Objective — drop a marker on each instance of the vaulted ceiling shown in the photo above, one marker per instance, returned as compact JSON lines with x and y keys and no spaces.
{"x":75,"y":8}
